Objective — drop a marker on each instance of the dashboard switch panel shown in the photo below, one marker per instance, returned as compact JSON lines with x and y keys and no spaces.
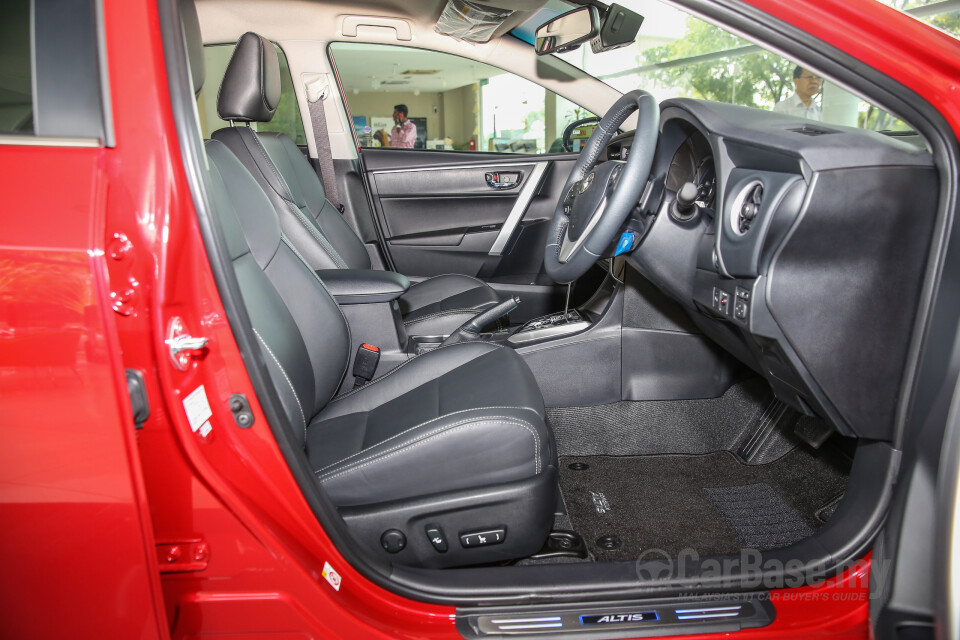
{"x":721,"y":301}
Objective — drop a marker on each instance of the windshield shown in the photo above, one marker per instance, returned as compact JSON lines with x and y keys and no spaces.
{"x":678,"y":55}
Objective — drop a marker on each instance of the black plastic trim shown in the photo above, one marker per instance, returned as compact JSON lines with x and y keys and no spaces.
{"x":68,"y":78}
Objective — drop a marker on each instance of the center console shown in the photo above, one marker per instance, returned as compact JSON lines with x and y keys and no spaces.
{"x":368,"y":300}
{"x":553,"y":325}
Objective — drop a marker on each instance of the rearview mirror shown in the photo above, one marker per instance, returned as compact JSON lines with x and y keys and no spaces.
{"x":567,"y":31}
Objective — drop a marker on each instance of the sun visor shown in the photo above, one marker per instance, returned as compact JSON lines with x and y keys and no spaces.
{"x":471,"y":21}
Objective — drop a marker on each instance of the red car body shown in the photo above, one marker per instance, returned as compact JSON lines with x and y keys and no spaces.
{"x":112,"y":531}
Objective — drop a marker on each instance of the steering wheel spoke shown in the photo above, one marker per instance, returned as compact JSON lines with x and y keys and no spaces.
{"x":569,"y":247}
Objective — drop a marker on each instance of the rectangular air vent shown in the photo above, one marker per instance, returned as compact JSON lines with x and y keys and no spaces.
{"x":809,"y":130}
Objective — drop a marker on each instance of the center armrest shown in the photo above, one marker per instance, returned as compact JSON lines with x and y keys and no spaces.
{"x":363,"y":286}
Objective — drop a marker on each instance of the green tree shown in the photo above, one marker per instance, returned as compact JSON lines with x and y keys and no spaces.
{"x":747,"y":76}
{"x":949,"y":22}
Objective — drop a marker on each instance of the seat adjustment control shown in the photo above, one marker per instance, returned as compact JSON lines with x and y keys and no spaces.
{"x":393,"y":540}
{"x":437,"y":539}
{"x":483,"y":538}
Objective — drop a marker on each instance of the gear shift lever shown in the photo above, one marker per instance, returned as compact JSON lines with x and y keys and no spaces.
{"x":470,"y":330}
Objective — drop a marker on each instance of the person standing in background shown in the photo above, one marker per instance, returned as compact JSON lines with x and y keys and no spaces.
{"x":404,"y":133}
{"x":801,"y":103}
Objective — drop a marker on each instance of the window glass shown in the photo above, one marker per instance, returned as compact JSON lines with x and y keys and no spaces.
{"x":452,"y":103}
{"x":287,"y":118}
{"x":678,"y":55}
{"x":16,"y":95}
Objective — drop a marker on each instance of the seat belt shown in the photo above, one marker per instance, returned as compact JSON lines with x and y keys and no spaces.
{"x":317,"y":89}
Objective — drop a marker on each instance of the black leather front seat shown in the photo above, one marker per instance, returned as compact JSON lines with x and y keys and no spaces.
{"x":449,"y":444}
{"x":250,"y":92}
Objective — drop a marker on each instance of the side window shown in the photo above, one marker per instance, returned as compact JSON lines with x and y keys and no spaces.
{"x":51,"y":81}
{"x":451,"y":103}
{"x":16,"y":95}
{"x":287,"y":118}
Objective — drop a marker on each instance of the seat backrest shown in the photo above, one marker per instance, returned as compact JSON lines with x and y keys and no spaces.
{"x":304,"y":337}
{"x":250,"y":92}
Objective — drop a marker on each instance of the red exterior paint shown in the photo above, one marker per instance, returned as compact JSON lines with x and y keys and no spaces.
{"x":75,"y":540}
{"x":84,"y":501}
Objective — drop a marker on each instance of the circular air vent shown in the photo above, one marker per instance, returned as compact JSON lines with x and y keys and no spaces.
{"x":746,"y":206}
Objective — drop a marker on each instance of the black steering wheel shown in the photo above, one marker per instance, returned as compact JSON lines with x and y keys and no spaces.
{"x":595,"y":201}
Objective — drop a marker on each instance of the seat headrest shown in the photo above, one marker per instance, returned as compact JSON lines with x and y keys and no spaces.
{"x":194,"y":43}
{"x":250,"y":91}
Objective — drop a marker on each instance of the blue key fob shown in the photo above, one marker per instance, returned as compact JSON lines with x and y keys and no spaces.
{"x":626,"y":243}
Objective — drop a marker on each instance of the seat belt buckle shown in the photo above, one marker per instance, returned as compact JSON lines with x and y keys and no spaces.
{"x":365,"y":364}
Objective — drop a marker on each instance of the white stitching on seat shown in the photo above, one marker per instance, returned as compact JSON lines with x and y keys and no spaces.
{"x":293,"y":249}
{"x":288,"y":199}
{"x":271,"y":166}
{"x":417,"y":426}
{"x":439,"y":314}
{"x":507,"y":420}
{"x":403,"y":364}
{"x":287,"y":378}
{"x":458,"y":275}
{"x":324,"y":243}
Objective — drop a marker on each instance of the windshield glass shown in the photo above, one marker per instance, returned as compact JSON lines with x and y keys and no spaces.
{"x":678,"y":55}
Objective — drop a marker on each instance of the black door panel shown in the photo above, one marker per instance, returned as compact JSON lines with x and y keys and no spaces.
{"x":410,"y":216}
{"x":470,"y":256}
{"x":483,"y":215}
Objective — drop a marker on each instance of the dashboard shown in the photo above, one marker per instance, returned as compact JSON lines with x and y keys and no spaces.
{"x":804,"y":253}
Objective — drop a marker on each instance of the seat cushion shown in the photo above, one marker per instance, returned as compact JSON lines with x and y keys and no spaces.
{"x":438,"y":305}
{"x":467,"y":415}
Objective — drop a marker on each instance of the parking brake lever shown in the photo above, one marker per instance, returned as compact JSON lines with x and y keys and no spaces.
{"x":470,"y":330}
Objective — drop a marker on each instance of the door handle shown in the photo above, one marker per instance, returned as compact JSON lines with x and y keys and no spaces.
{"x":503,"y":179}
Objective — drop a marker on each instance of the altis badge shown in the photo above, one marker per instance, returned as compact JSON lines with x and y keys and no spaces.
{"x":619,"y":618}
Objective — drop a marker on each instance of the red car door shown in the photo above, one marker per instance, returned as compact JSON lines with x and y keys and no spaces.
{"x":76,"y":543}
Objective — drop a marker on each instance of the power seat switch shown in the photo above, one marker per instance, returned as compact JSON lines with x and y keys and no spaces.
{"x":483,"y":538}
{"x":365,"y":364}
{"x":437,"y":539}
{"x":393,"y":541}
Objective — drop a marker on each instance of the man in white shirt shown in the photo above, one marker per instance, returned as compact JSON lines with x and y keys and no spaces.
{"x":801,"y":103}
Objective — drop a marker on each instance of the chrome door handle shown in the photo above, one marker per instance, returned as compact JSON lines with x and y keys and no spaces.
{"x":503,"y":179}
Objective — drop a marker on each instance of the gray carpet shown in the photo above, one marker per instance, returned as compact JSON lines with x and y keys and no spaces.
{"x":696,"y":426}
{"x":676,"y":502}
